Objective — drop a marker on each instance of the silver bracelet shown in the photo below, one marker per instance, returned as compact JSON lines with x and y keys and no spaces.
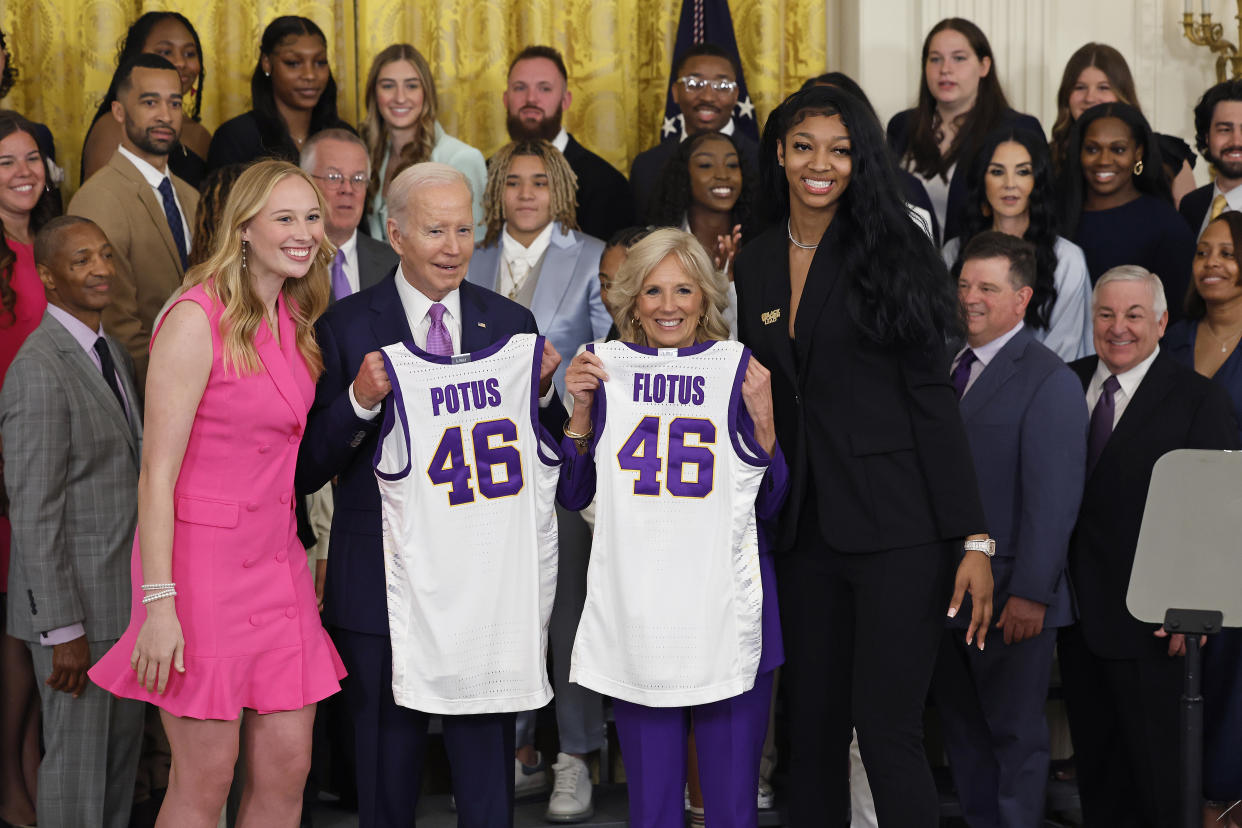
{"x":154,"y":587}
{"x":155,"y":596}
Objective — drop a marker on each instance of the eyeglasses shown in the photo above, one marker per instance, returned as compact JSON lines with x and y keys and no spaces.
{"x":697,"y":84}
{"x":336,"y":178}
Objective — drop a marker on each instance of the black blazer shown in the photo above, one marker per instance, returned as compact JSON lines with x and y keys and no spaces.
{"x":1195,"y":206}
{"x":873,"y":434}
{"x":649,"y":165}
{"x":902,"y":126}
{"x":605,"y":203}
{"x":1173,"y":408}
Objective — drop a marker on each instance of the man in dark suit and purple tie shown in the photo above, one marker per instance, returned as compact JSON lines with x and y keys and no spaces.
{"x":431,"y":227}
{"x":1026,"y":421}
{"x":1123,"y":677}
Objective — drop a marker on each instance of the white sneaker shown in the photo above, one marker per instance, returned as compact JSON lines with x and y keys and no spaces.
{"x":530,"y":781}
{"x":571,"y":792}
{"x":767,"y":798}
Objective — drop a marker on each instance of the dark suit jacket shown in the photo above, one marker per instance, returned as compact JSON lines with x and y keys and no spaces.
{"x":1195,"y":206}
{"x":649,"y":164}
{"x":605,"y":203}
{"x":376,"y":260}
{"x":899,"y":130}
{"x":1173,"y":408}
{"x":873,"y":432}
{"x":339,"y":444}
{"x":1026,"y":420}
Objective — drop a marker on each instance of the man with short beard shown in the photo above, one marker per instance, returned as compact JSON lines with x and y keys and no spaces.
{"x":144,"y":210}
{"x":536,"y":98}
{"x":1218,"y":135}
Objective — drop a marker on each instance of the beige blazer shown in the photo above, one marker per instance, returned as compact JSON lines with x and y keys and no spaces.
{"x":148,"y":268}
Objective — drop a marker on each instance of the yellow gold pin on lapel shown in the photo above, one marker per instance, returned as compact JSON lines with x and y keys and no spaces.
{"x":771,"y":316}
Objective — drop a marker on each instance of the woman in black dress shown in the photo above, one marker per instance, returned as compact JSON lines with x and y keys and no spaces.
{"x":292,"y":94}
{"x":1116,"y":204}
{"x":848,"y":303}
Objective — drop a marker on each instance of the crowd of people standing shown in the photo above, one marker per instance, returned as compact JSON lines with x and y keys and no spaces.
{"x":940,"y":390}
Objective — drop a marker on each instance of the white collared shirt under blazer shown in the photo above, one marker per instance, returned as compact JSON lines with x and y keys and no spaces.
{"x":674,"y":605}
{"x":467,"y":478}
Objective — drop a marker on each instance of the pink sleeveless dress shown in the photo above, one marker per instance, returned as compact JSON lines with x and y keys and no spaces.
{"x":245,"y":596}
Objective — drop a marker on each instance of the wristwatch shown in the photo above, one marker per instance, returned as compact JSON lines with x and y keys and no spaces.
{"x":987,"y":547}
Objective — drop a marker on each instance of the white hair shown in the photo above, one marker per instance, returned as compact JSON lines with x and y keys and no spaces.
{"x":307,"y":159}
{"x":1133,"y":273}
{"x":417,"y":177}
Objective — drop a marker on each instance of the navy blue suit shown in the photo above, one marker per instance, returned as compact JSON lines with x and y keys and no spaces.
{"x":1194,"y":207}
{"x":1026,"y":420}
{"x":390,"y":740}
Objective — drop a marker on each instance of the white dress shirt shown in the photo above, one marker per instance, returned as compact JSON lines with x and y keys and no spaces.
{"x":156,"y":177}
{"x":561,"y":140}
{"x":1129,"y":385}
{"x":985,"y":354}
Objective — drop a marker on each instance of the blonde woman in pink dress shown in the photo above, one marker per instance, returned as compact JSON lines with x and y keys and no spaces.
{"x":225,"y":637}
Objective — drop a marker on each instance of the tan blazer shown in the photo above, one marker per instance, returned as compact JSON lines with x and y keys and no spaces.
{"x":148,"y":268}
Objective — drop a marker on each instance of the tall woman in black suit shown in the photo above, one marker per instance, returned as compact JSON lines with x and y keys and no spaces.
{"x":848,"y":302}
{"x":960,"y":101}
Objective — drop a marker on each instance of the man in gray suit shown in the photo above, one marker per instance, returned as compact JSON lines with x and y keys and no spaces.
{"x":70,"y":421}
{"x":535,"y":255}
{"x":1026,"y":420}
{"x":338,"y":160}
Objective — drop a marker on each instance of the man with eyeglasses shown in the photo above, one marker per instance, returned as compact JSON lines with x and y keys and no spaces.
{"x":706,"y":91}
{"x":338,"y":161}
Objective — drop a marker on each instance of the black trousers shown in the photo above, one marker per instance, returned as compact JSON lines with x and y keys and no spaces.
{"x":1124,"y":718}
{"x":861,"y":635}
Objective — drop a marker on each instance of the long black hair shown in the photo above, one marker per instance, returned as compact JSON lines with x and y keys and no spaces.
{"x":273,"y":130}
{"x":131,"y":47}
{"x":900,"y":293}
{"x":1152,"y":181}
{"x":1042,"y":207}
{"x":671,"y":200}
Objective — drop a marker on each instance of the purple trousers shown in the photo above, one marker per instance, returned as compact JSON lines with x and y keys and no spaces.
{"x":729,"y":737}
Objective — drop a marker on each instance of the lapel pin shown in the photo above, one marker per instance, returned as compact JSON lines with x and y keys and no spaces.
{"x":482,"y":324}
{"x":771,"y":316}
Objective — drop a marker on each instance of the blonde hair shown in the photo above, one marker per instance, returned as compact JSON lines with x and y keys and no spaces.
{"x":561,"y":178}
{"x":644,"y":257}
{"x":374,"y":130}
{"x":227,"y":281}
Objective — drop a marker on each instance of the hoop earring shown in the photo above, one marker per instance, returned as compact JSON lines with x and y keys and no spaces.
{"x":1138,"y":167}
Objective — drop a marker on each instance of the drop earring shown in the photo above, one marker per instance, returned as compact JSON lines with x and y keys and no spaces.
{"x":245,"y":244}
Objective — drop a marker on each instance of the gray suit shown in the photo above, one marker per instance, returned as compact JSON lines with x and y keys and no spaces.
{"x":566,"y":301}
{"x":73,"y":461}
{"x":376,"y":259}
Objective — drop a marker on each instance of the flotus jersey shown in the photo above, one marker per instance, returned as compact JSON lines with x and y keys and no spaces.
{"x":467,"y":481}
{"x":674,"y":599}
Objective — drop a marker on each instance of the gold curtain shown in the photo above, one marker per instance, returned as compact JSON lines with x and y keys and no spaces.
{"x":617,"y":52}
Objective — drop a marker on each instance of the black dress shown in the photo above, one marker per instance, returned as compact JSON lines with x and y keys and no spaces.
{"x":241,"y":140}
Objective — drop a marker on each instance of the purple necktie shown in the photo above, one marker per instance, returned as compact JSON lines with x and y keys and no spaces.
{"x":1101,"y":422}
{"x":961,"y":371}
{"x":438,"y":341}
{"x":340,"y":282}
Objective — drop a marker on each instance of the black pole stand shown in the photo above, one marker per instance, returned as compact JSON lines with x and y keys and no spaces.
{"x":1192,"y":624}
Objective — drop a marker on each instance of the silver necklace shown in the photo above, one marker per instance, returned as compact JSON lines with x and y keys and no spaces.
{"x":789,"y":230}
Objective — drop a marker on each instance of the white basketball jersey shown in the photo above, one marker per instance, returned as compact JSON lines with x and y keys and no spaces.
{"x":468,"y":481}
{"x":673,"y":613}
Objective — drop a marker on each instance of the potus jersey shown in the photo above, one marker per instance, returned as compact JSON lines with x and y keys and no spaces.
{"x":467,"y":479}
{"x":673,"y":613}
